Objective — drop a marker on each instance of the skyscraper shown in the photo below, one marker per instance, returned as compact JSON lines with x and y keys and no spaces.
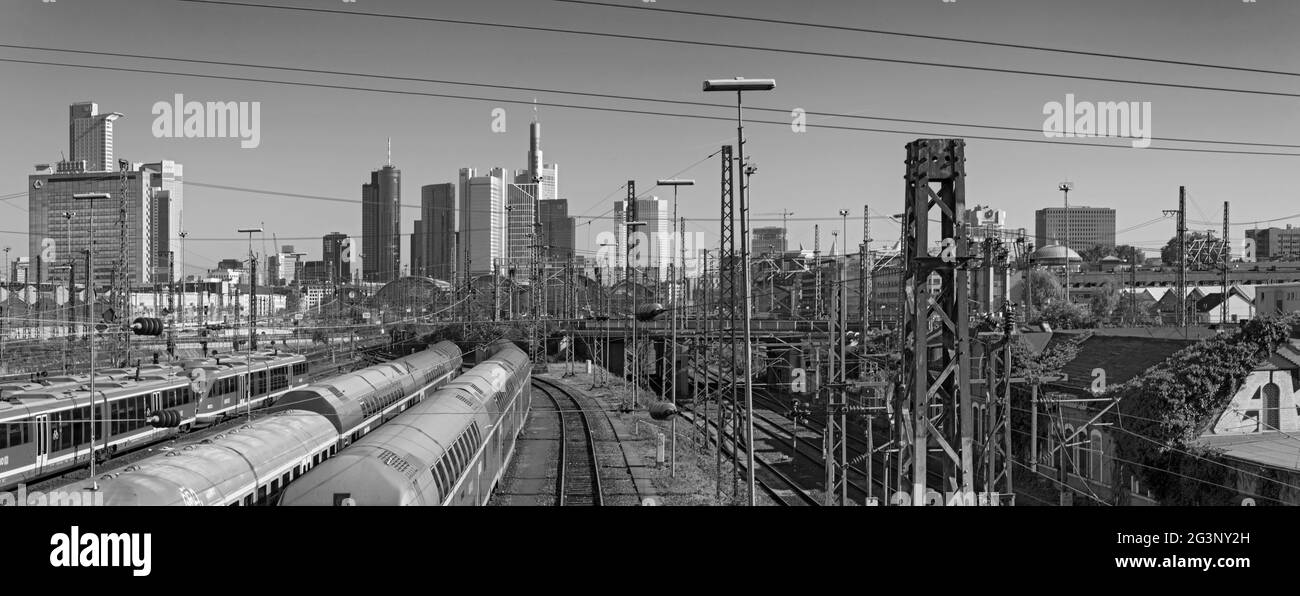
{"x":167,"y":207}
{"x":651,"y":242}
{"x":438,"y":217}
{"x":332,"y":254}
{"x":482,"y":220}
{"x":90,"y":136}
{"x":521,"y":205}
{"x":558,"y":229}
{"x":546,"y":176}
{"x":381,"y":234}
{"x":418,"y":266}
{"x":770,"y":241}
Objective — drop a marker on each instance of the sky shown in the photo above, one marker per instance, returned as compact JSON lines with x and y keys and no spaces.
{"x":324,"y":142}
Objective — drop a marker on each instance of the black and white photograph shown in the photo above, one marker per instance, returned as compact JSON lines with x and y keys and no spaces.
{"x":1037,"y":261}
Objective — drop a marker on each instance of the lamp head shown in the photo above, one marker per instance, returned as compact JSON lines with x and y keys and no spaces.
{"x":739,"y":84}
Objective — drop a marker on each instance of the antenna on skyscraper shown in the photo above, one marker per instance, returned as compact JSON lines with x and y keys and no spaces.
{"x":534,"y":109}
{"x":390,"y":151}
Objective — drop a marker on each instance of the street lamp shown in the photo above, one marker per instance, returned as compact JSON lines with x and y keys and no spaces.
{"x":678,"y":271}
{"x":252,"y":313}
{"x":90,"y":296}
{"x":183,"y":234}
{"x":740,"y":85}
{"x":1066,"y":187}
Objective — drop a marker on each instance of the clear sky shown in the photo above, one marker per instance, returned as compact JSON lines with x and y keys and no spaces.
{"x":324,"y":142}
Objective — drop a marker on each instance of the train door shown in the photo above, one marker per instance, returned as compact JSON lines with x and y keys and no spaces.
{"x":42,"y":429}
{"x":155,"y":402}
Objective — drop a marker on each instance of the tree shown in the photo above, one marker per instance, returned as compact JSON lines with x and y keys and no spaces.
{"x":1104,"y":301}
{"x":1096,"y":253}
{"x":1044,"y":289}
{"x":1130,"y":254}
{"x":1063,"y":315}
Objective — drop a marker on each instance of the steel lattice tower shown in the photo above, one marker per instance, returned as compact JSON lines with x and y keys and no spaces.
{"x":936,"y":398}
{"x":727,"y":296}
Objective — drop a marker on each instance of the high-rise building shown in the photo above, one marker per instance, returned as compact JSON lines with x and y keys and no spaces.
{"x":381,"y":211}
{"x":50,"y":195}
{"x":770,"y":241}
{"x":336,"y":269}
{"x":167,"y":205}
{"x":521,"y":206}
{"x":418,"y":266}
{"x":650,"y":242}
{"x":546,"y":176}
{"x":558,"y":229}
{"x":438,"y":224}
{"x":90,"y":137}
{"x":282,"y":267}
{"x":154,"y":201}
{"x":482,"y":220}
{"x":1089,"y":227}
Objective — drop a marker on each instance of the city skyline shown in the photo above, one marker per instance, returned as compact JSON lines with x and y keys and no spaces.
{"x":297,"y":156}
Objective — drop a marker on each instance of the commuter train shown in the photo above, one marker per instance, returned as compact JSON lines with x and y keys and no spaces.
{"x":252,"y":464}
{"x":45,"y":428}
{"x":452,"y":449}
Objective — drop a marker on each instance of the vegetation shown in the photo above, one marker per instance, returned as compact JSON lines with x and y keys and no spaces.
{"x":1163,"y":412}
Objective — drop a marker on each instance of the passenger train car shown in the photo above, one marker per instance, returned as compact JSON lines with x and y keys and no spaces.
{"x":252,"y":464}
{"x":449,"y":450}
{"x":45,"y":430}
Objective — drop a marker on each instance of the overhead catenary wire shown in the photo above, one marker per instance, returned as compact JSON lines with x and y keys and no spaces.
{"x":715,"y":44}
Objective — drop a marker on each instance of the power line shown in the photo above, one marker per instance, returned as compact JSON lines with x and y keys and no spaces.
{"x":941,"y":38}
{"x":595,"y":94}
{"x":714,"y":44}
{"x":631,"y":111}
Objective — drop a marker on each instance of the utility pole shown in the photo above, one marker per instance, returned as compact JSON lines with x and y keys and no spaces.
{"x":1223,"y":308}
{"x":1182,"y":255}
{"x":864,"y":273}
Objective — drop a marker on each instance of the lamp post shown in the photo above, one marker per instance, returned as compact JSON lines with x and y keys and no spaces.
{"x":183,"y":234}
{"x":72,"y":263}
{"x":740,"y":85}
{"x":678,"y":272}
{"x":1066,"y":187}
{"x":252,"y":312}
{"x":90,"y":297}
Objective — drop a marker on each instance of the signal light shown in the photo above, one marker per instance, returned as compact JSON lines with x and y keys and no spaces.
{"x":147,"y":326}
{"x":164,"y":419}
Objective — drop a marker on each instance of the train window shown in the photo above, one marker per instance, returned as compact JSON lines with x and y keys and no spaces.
{"x":4,"y":434}
{"x":261,"y":494}
{"x":248,"y":500}
{"x":284,"y":480}
{"x":275,"y":485}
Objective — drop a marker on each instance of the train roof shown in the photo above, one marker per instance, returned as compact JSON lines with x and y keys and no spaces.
{"x":212,"y":470}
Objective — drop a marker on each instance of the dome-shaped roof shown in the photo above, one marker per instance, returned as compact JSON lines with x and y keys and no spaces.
{"x":1057,"y":253}
{"x":1112,"y":259}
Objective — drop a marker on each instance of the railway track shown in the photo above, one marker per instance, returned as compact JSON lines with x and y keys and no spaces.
{"x":767,"y":477}
{"x":578,"y":476}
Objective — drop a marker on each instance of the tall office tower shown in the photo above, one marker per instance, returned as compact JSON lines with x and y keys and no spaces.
{"x":50,"y":194}
{"x":418,"y":266}
{"x":558,"y":229}
{"x":770,"y":241}
{"x":546,"y":176}
{"x":167,"y":179}
{"x":521,"y":207}
{"x":438,"y":221}
{"x":90,"y":137}
{"x":482,"y":220}
{"x":651,"y":242}
{"x":381,"y":221}
{"x":1089,"y":227}
{"x":282,"y":267}
{"x":332,"y":253}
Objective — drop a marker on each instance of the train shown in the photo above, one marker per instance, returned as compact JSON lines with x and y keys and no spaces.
{"x":451,"y":449}
{"x":252,"y":464}
{"x":45,"y":428}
